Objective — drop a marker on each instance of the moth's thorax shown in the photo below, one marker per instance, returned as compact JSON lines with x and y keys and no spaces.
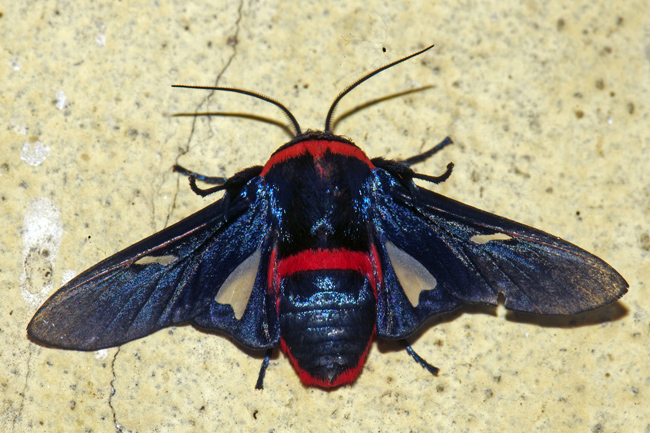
{"x":318,"y":182}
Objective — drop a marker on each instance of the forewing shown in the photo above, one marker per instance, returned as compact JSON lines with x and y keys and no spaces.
{"x":474,"y":256}
{"x":166,"y":279}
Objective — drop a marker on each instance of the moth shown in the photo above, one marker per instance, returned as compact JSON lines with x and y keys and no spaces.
{"x":319,"y":251}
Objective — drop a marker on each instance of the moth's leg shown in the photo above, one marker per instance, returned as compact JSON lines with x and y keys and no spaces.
{"x":430,"y":368}
{"x":265,"y":365}
{"x":229,"y":183}
{"x":428,"y":154}
{"x":203,"y":178}
{"x":402,"y":169}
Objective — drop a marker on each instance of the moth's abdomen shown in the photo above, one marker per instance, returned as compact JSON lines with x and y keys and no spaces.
{"x":327,"y":320}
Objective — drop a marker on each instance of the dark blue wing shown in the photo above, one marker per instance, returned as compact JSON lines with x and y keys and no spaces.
{"x":166,"y":279}
{"x":474,"y":256}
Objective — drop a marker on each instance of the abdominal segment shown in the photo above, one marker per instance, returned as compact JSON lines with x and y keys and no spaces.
{"x":327,"y":320}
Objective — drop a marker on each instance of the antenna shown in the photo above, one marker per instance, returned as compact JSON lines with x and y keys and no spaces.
{"x":284,"y":109}
{"x":330,"y":114}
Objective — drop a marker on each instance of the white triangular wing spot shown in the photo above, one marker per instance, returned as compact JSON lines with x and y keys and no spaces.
{"x":413,"y":277}
{"x":237,"y":289}
{"x":484,"y":239}
{"x":161,"y":260}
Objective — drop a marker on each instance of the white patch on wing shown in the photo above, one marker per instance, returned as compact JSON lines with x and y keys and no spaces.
{"x":484,"y":239}
{"x":412,"y":275}
{"x":237,"y":289}
{"x":161,"y":260}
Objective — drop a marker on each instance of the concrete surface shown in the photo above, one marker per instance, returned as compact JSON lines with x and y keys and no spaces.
{"x":548,"y":106}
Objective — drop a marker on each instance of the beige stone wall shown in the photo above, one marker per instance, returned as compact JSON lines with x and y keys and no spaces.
{"x":547,"y":103}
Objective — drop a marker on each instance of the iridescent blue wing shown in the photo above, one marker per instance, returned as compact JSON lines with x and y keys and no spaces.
{"x":169,"y":278}
{"x":463,"y":254}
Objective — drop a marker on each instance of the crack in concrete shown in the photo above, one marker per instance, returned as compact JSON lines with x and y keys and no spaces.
{"x":118,"y":428}
{"x":186,"y":149}
{"x":22,"y":394}
{"x":183,"y":150}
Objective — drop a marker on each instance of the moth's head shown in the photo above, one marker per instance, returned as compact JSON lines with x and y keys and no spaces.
{"x":312,"y":135}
